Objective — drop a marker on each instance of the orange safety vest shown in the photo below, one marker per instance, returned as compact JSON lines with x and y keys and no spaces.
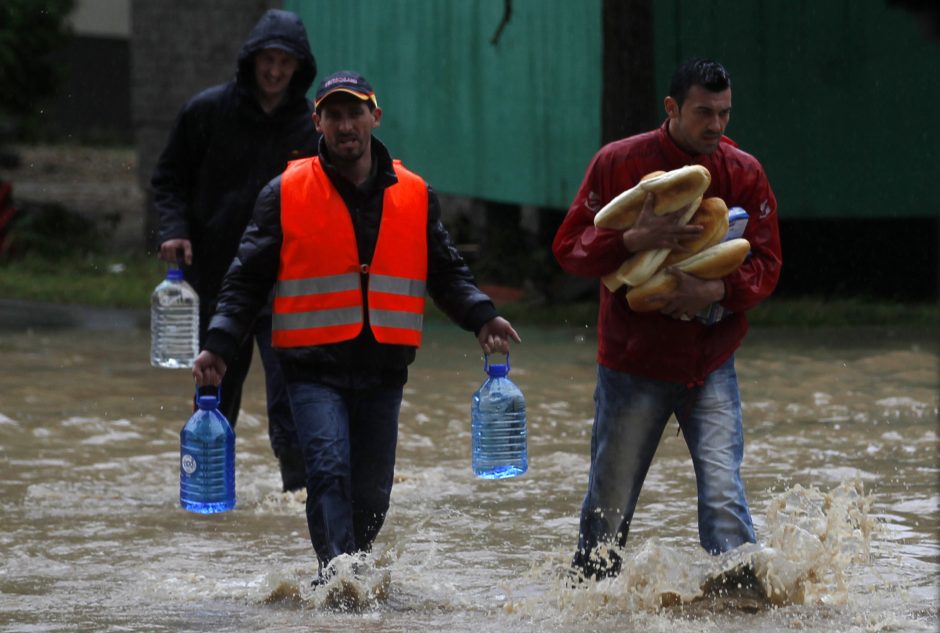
{"x":319,"y":295}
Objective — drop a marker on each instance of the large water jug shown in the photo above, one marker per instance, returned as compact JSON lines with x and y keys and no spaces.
{"x":498,"y":425}
{"x":174,"y":322}
{"x":207,"y":457}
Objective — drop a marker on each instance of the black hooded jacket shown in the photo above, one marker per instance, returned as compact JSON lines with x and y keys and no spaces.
{"x":224,"y":148}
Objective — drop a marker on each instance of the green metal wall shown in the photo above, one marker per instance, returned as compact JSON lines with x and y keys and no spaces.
{"x":837,"y":98}
{"x":515,"y":122}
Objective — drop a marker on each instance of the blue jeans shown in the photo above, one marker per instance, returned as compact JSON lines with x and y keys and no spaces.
{"x":630,"y":417}
{"x":348,"y":439}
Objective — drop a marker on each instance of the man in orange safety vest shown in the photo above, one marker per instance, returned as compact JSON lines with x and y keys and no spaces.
{"x":352,"y":242}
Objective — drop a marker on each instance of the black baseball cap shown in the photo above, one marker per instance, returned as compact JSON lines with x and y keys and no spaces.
{"x":345,"y":81}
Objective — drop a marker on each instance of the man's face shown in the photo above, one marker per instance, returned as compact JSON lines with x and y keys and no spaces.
{"x":698,"y":125}
{"x":346,"y":124}
{"x":273,"y":71}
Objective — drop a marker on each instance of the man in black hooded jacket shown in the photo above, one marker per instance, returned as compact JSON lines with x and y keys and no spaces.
{"x":227,"y":143}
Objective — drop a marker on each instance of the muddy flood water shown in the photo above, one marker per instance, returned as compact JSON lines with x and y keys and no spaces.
{"x":841,"y":468}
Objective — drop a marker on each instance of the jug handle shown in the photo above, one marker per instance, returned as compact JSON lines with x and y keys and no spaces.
{"x":486,"y":363}
{"x":210,"y":389}
{"x":204,"y":390}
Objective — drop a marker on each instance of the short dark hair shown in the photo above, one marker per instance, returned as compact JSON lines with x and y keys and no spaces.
{"x":698,"y":72}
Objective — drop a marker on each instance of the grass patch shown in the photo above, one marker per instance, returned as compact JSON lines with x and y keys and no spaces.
{"x":813,"y":312}
{"x":117,"y":281}
{"x":775,"y":312}
{"x":94,"y":280}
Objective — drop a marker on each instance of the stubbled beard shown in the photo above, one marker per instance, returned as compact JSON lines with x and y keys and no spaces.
{"x":340,"y":157}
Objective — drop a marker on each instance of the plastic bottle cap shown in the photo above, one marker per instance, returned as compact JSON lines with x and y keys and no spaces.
{"x":497,"y":371}
{"x":174,"y":274}
{"x":207,"y":402}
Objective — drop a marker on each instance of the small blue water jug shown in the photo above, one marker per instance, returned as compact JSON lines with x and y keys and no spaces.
{"x":207,"y":457}
{"x":498,"y":425}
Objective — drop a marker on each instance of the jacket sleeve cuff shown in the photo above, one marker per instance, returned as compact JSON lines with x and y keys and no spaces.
{"x":222,"y":343}
{"x":479,"y":315}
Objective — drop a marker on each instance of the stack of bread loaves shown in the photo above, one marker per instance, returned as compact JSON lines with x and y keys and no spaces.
{"x":708,"y":257}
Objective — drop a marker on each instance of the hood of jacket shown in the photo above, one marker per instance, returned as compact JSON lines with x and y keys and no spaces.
{"x":284,"y":30}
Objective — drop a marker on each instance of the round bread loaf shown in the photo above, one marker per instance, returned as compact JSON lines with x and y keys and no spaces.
{"x":644,"y":264}
{"x":712,"y":216}
{"x":673,"y":190}
{"x":712,"y":263}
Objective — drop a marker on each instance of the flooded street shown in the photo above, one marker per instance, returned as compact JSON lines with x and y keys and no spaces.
{"x":841,"y":468}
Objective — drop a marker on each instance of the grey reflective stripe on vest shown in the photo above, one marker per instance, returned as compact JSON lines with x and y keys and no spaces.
{"x":397,"y":285}
{"x":317,"y":318}
{"x":317,"y":285}
{"x":394,"y":318}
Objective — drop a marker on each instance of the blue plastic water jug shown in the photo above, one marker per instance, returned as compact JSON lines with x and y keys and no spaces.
{"x":207,"y":457}
{"x":498,"y":425}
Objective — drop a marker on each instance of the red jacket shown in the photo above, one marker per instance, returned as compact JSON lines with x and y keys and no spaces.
{"x":651,"y":344}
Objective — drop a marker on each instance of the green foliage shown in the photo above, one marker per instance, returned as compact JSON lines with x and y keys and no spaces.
{"x":50,"y":231}
{"x":29,"y":32}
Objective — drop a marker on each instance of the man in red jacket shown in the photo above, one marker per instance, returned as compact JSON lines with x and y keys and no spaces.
{"x":654,"y":365}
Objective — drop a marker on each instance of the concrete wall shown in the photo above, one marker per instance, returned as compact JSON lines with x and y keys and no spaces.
{"x":101,"y":18}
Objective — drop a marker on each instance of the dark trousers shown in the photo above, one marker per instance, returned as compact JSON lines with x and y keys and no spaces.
{"x":348,"y":438}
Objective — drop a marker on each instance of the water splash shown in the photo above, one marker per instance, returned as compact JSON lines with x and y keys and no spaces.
{"x":353,"y":584}
{"x":810,"y":541}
